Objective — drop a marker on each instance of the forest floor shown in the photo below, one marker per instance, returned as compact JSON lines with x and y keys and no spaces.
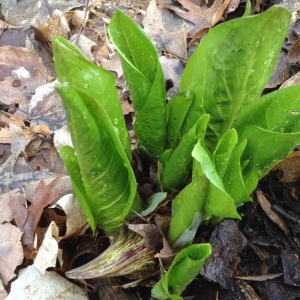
{"x":44,"y":231}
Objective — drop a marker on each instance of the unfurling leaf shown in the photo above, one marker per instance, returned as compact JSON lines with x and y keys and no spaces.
{"x":130,"y":254}
{"x":99,"y":165}
{"x":145,"y":80}
{"x":177,"y":166}
{"x":182,"y":271}
{"x":107,"y":189}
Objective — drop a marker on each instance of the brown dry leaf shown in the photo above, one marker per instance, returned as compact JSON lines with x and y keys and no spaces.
{"x":113,"y":64}
{"x":281,"y":72}
{"x":202,"y":18}
{"x":46,"y":107}
{"x":47,"y":253}
{"x":6,"y":211}
{"x":21,"y":195}
{"x":5,"y":136}
{"x":4,"y":25}
{"x":84,"y":44}
{"x":21,"y":72}
{"x":291,"y":81}
{"x":294,"y":53}
{"x":233,"y":5}
{"x":32,"y":284}
{"x":33,"y":12}
{"x":11,"y":252}
{"x":16,"y":169}
{"x":126,"y":107}
{"x":57,"y":24}
{"x":290,"y":167}
{"x":6,"y":119}
{"x":3,"y":293}
{"x":76,"y":218}
{"x":164,"y":40}
{"x":272,"y":215}
{"x":173,"y":69}
{"x":17,"y":146}
{"x":42,"y":197}
{"x":19,"y":211}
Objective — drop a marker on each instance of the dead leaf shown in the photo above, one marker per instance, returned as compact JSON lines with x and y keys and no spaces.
{"x":47,"y":253}
{"x":76,"y":218}
{"x":42,"y":129}
{"x":42,"y":197}
{"x":62,"y":137}
{"x":32,"y":284}
{"x":26,"y":193}
{"x":173,"y":69}
{"x":4,"y":25}
{"x":56,"y":25}
{"x":7,"y":118}
{"x":259,"y":277}
{"x":21,"y":72}
{"x":233,"y":5}
{"x":33,"y":12}
{"x":290,"y":167}
{"x":202,"y":18}
{"x":17,"y":146}
{"x":84,"y":44}
{"x":5,"y":136}
{"x":46,"y":108}
{"x":273,"y":215}
{"x":113,"y":64}
{"x":11,"y":253}
{"x":294,"y":53}
{"x":281,"y":72}
{"x":19,"y":211}
{"x":3,"y":293}
{"x":164,"y":40}
{"x":15,"y":171}
{"x":291,"y":81}
{"x":126,"y":107}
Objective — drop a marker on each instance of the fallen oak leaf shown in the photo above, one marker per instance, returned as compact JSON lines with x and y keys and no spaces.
{"x":42,"y":197}
{"x":19,"y":211}
{"x":202,"y":18}
{"x":10,"y":251}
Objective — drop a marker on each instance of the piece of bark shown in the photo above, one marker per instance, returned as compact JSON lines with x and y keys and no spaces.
{"x":227,"y":242}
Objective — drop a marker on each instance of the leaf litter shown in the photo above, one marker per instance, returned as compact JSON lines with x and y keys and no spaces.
{"x":31,"y":114}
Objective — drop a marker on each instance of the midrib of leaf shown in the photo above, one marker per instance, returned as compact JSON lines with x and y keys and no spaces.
{"x":132,"y":55}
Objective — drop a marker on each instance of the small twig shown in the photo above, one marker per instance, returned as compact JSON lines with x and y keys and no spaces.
{"x":81,"y":28}
{"x":48,"y":114}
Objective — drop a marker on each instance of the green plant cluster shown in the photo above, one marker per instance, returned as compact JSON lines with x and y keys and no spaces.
{"x":213,"y":140}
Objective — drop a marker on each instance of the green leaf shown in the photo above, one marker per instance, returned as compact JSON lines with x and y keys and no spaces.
{"x":186,"y":238}
{"x":69,"y":157}
{"x":179,"y":163}
{"x":73,"y":67}
{"x":145,"y":80}
{"x":106,"y":173}
{"x":224,"y":150}
{"x":247,"y":12}
{"x":218,"y":202}
{"x":182,"y":271}
{"x":190,"y":201}
{"x":231,"y":67}
{"x":233,"y":179}
{"x":177,"y":110}
{"x":227,"y":162}
{"x":153,"y":202}
{"x":272,"y":129}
